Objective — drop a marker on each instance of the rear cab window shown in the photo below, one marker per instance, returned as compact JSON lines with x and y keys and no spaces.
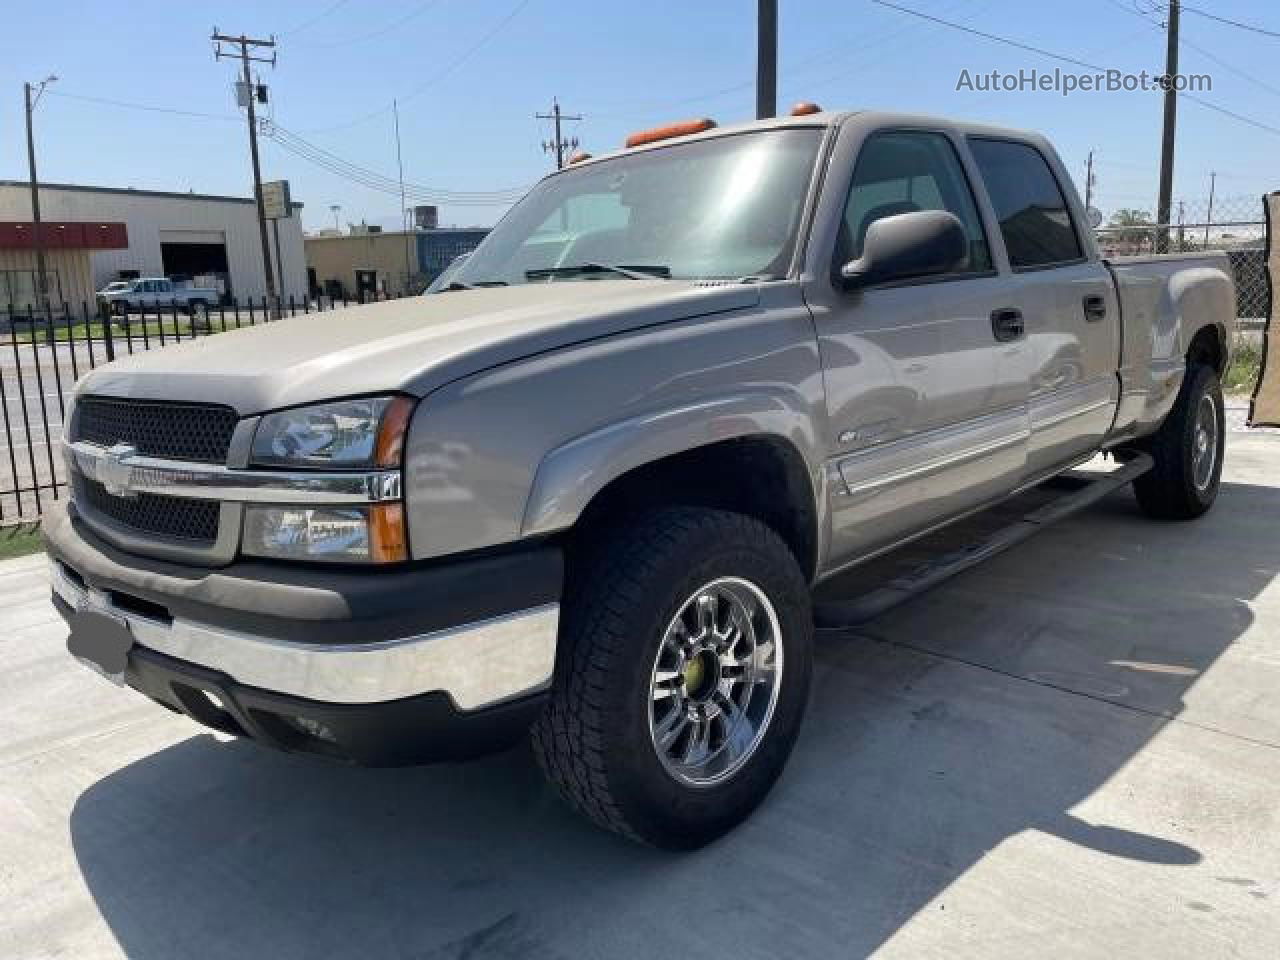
{"x":1035,"y":220}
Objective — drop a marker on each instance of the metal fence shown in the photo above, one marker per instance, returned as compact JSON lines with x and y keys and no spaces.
{"x":43,"y":353}
{"x":1235,"y":226}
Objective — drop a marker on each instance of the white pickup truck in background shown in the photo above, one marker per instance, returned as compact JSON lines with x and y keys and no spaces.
{"x":150,"y":293}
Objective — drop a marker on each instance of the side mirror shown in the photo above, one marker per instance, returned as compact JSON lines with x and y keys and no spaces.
{"x":919,"y":244}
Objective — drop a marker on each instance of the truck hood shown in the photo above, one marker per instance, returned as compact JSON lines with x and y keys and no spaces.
{"x":413,"y":345}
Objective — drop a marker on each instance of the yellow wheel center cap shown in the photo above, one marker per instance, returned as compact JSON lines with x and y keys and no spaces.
{"x":695,"y":672}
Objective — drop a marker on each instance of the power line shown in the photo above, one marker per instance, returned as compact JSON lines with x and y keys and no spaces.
{"x":374,"y":180}
{"x":436,"y":78}
{"x":1231,"y":113}
{"x":143,"y":106}
{"x":413,"y":14}
{"x":990,"y":36}
{"x":1183,"y":41}
{"x":312,"y":20}
{"x":1252,"y":27}
{"x":1065,"y":59}
{"x":278,"y":132}
{"x":842,"y":51}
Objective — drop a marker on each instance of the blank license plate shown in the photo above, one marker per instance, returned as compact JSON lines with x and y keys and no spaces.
{"x":101,"y":642}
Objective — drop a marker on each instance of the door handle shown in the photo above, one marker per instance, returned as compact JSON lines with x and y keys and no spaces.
{"x":1095,"y":308}
{"x":1006,"y":324}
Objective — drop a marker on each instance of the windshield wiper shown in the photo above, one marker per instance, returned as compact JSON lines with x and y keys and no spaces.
{"x":633,"y":271}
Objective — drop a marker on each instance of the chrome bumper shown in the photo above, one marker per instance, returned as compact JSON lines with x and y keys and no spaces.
{"x":477,"y":664}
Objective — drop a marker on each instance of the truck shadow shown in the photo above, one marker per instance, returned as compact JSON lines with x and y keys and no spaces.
{"x":993,"y":706}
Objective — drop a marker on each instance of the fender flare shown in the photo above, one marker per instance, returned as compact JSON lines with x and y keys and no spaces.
{"x":570,"y":475}
{"x":1198,"y":296}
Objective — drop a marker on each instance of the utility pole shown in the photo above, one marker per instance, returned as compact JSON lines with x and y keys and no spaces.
{"x":766,"y":59}
{"x":1208,"y":219}
{"x":1088,"y":182}
{"x":37,"y":239}
{"x":1182,"y":217}
{"x":1164,"y":206}
{"x":559,"y":144}
{"x":404,"y":210}
{"x":245,"y":43}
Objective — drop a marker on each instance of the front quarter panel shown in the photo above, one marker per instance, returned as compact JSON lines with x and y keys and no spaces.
{"x":519,"y":450}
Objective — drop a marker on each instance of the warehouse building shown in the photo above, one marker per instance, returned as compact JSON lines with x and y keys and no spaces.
{"x":368,"y":262}
{"x":68,"y":250}
{"x":211,"y":240}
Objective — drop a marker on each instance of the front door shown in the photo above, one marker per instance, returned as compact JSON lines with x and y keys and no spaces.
{"x":926,"y":402}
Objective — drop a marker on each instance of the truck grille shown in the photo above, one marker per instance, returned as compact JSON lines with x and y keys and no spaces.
{"x":199,"y":432}
{"x":177,"y":517}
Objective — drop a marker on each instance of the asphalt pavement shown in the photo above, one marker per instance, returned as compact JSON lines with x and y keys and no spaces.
{"x":1070,"y":751}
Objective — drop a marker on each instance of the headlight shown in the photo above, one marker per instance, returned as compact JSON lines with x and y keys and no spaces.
{"x":347,"y":433}
{"x":336,"y":534}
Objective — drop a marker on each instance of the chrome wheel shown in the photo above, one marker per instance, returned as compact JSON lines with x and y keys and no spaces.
{"x":1204,"y":450}
{"x":715,"y":681}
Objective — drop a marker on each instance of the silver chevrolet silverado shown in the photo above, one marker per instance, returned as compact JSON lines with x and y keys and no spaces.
{"x":585,"y":492}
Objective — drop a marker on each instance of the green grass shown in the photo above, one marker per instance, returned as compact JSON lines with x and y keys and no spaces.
{"x":20,"y":540}
{"x":1242,"y":373}
{"x":96,"y":331}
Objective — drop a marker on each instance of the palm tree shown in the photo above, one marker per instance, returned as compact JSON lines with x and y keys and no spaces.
{"x":1135,"y":226}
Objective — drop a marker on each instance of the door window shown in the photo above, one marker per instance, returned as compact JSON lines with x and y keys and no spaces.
{"x":1034,"y":219}
{"x":902,"y":172}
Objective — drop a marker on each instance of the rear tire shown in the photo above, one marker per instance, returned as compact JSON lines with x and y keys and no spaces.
{"x":649,"y":609}
{"x":1187,"y":450}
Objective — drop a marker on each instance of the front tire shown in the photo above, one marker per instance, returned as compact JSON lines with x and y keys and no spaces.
{"x":682,"y":678}
{"x":1188,"y":450}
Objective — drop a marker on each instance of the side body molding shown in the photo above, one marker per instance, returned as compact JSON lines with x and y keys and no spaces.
{"x":570,"y":475}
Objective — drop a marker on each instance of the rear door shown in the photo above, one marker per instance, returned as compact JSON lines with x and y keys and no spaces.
{"x":1067,"y":300}
{"x":927,"y":407}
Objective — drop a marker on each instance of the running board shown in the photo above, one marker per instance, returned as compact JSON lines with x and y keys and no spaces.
{"x":851,"y":613}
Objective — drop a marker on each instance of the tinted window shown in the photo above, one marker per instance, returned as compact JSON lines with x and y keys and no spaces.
{"x":1032,"y":211}
{"x":902,"y":172}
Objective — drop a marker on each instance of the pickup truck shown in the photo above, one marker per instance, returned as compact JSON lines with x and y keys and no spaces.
{"x":584,"y":496}
{"x":152,"y":293}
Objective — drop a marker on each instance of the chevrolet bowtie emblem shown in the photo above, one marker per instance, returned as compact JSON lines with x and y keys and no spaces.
{"x":114,"y":473}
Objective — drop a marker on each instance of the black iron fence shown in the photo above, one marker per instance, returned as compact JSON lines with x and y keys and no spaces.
{"x":44,"y":352}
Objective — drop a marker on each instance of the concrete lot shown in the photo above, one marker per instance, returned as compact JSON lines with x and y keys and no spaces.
{"x":1071,"y":751}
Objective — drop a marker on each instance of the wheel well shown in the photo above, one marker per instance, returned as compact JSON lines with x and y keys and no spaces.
{"x":1207,"y":347}
{"x":764,"y":477}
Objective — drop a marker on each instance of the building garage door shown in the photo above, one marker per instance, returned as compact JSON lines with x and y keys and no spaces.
{"x":196,"y":255}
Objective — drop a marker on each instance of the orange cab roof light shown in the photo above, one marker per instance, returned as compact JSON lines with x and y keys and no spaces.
{"x":804,"y":108}
{"x":682,"y":129}
{"x":579,"y":156}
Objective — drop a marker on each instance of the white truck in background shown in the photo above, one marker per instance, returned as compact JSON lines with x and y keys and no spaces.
{"x":156,"y":293}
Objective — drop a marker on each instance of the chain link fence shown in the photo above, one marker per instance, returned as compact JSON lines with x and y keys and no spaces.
{"x":1236,"y":226}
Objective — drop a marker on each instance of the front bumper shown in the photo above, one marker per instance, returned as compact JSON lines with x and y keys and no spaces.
{"x":439,"y":661}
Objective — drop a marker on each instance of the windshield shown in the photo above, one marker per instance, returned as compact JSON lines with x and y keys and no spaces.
{"x":727,"y":207}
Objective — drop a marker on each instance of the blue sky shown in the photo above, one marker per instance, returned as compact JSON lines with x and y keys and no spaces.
{"x":471,"y":74}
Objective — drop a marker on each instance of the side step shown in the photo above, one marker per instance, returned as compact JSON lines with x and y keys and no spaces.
{"x":851,"y":613}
